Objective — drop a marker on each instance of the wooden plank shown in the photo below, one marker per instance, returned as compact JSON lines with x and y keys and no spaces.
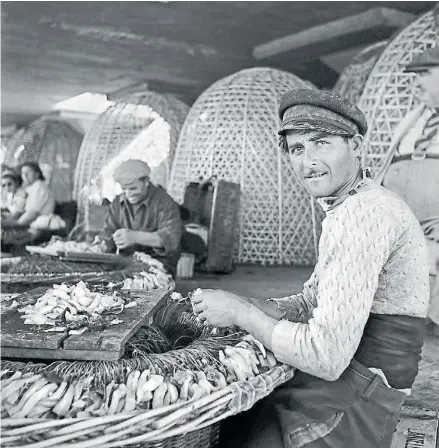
{"x":14,"y":333}
{"x":115,"y":337}
{"x":415,"y":433}
{"x":223,"y":223}
{"x":368,"y":20}
{"x":59,"y":354}
{"x":29,"y":341}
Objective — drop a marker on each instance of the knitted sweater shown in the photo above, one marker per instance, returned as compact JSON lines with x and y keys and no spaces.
{"x":372,"y":259}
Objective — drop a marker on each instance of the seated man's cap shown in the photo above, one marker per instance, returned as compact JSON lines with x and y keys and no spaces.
{"x":319,"y":110}
{"x":131,"y":170}
{"x":422,"y":62}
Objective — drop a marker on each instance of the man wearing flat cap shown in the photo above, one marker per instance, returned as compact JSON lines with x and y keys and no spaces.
{"x":355,"y":332}
{"x":412,"y":166}
{"x":144,"y":217}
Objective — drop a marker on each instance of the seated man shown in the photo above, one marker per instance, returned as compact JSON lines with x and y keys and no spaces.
{"x":143,"y":218}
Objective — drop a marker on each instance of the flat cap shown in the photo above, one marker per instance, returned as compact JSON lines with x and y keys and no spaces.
{"x":421,"y":62}
{"x":131,"y":170}
{"x":320,"y":110}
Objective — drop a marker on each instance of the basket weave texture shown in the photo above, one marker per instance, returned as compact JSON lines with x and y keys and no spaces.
{"x":52,"y":143}
{"x":199,"y":429}
{"x":389,"y":93}
{"x":353,"y":78}
{"x":231,"y":132}
{"x":119,"y":126}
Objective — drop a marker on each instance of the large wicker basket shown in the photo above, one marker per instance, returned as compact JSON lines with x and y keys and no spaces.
{"x":351,"y":82}
{"x":145,"y":126}
{"x":193,"y":423}
{"x":136,"y":429}
{"x":389,"y":93}
{"x":231,"y":133}
{"x":54,"y":144}
{"x":14,"y":283}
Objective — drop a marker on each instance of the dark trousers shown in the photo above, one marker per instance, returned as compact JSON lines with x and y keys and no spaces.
{"x":357,"y":410}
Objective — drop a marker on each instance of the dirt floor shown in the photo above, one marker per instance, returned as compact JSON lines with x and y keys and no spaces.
{"x":263,"y":282}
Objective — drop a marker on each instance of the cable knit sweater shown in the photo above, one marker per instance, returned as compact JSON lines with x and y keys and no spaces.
{"x":372,"y":259}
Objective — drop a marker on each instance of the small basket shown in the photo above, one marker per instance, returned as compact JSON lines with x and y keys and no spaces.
{"x":185,"y":266}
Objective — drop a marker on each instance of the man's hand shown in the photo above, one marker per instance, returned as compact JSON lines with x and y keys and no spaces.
{"x":124,"y":238}
{"x":219,"y":308}
{"x":96,"y":241}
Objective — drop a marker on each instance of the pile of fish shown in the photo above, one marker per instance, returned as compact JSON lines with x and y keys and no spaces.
{"x":59,"y":245}
{"x":75,"y":308}
{"x":152,"y":276}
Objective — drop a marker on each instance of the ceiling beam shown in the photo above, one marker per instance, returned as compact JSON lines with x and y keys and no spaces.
{"x":319,"y":38}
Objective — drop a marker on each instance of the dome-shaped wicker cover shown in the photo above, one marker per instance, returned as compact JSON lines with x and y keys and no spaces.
{"x":389,"y":92}
{"x":117,"y":128}
{"x":353,"y":78}
{"x":54,"y":144}
{"x":231,"y":132}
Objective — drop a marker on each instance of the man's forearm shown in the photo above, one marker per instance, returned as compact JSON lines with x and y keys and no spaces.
{"x":257,"y":323}
{"x":149,"y":239}
{"x":269,"y":308}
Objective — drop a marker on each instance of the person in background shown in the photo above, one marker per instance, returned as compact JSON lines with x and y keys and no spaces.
{"x":355,"y":332}
{"x":412,"y":168}
{"x":39,"y":209}
{"x":5,"y":169}
{"x":15,"y":199}
{"x":143,"y":218}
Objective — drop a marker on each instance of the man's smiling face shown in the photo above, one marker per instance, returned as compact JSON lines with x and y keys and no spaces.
{"x":324,"y":163}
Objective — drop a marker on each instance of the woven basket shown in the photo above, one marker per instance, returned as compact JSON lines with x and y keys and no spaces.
{"x":351,"y":82}
{"x":146,"y":127}
{"x":389,"y":93}
{"x":231,"y":132}
{"x":133,"y":429}
{"x":54,"y":144}
{"x":20,"y":283}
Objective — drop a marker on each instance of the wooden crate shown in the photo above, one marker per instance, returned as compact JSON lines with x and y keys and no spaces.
{"x":218,"y":209}
{"x":417,"y":429}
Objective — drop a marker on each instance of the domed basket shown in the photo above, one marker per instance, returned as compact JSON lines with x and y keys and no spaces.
{"x":389,"y":93}
{"x":231,"y":133}
{"x":54,"y":144}
{"x":146,"y":126}
{"x":353,"y":78}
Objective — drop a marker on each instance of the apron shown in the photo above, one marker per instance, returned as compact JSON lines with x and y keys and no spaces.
{"x":357,"y":410}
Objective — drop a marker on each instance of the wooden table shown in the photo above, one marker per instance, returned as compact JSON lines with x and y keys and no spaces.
{"x":30,"y":341}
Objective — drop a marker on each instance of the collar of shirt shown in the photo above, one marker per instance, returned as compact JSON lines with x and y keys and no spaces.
{"x":329,"y":203}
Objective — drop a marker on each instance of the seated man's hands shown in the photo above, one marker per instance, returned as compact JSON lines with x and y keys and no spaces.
{"x":101,"y":243}
{"x":124,"y":238}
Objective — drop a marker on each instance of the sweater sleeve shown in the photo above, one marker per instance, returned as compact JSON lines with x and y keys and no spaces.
{"x":355,"y":244}
{"x":298,"y":307}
